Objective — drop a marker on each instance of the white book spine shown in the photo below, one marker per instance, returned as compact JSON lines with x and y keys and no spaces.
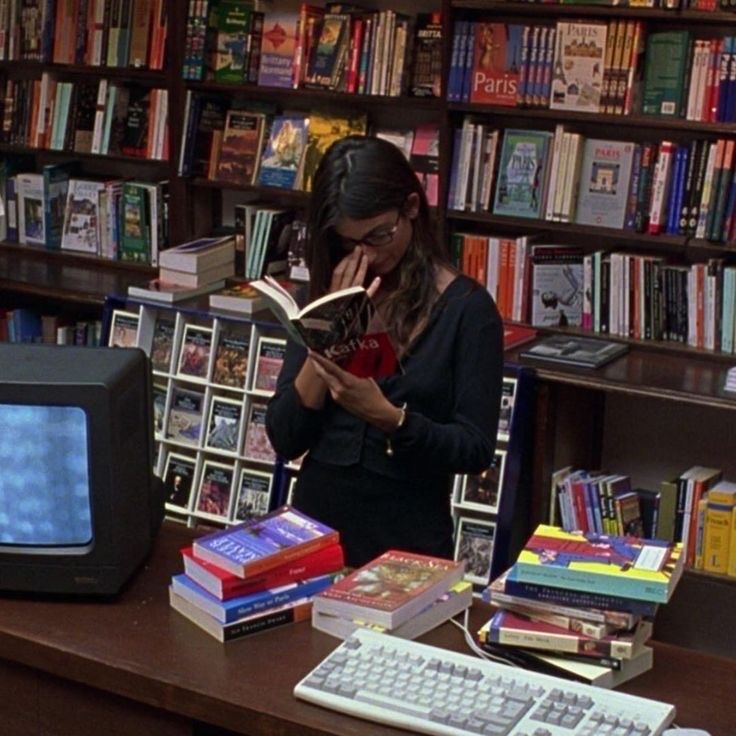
{"x":615,"y":294}
{"x":660,"y":188}
{"x":554,"y":176}
{"x":696,"y":79}
{"x":493,"y":265}
{"x":710,"y":167}
{"x":99,"y":117}
{"x":572,"y":180}
{"x":561,"y":177}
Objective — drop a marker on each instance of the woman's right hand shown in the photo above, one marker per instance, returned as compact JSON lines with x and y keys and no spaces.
{"x":351,"y":271}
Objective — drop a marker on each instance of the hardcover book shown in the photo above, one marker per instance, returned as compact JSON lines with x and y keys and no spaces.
{"x":584,"y":352}
{"x":577,"y":75}
{"x":283,"y":156}
{"x":236,"y":608}
{"x":522,"y":173}
{"x":629,"y":567}
{"x":449,"y":604}
{"x":390,"y":589}
{"x":224,"y":584}
{"x":240,"y":151}
{"x":261,"y":544}
{"x":604,"y":183}
{"x":338,"y":325}
{"x":289,"y":613}
{"x":496,"y":63}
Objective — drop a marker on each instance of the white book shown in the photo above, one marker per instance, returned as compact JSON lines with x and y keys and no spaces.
{"x":30,"y":197}
{"x":561,"y":177}
{"x":493,"y":266}
{"x":614,"y":320}
{"x":99,"y":124}
{"x":692,"y":336}
{"x":697,"y":80}
{"x":660,"y":188}
{"x":466,"y":145}
{"x":572,"y":178}
{"x":489,"y":165}
{"x":625,"y":296}
{"x":81,"y":231}
{"x":555,"y":164}
{"x":710,"y":167}
{"x":478,"y":153}
{"x":521,"y":263}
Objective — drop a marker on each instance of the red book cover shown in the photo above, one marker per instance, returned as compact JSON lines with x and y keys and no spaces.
{"x":496,"y":64}
{"x":390,"y":589}
{"x":515,"y":335}
{"x":225,"y":585}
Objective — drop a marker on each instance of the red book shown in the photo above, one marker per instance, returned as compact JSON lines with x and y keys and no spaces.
{"x":496,"y":63}
{"x":225,"y":585}
{"x":515,"y":335}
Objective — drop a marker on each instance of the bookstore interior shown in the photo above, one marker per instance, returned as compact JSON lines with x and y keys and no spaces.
{"x":157,"y":159}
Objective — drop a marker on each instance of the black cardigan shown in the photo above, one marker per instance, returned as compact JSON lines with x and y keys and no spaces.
{"x":451,"y":383}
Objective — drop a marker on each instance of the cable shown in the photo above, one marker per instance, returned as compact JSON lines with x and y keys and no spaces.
{"x":473,"y":646}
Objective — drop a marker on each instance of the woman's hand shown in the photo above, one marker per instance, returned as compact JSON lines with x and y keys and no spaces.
{"x":351,"y":271}
{"x":360,"y":396}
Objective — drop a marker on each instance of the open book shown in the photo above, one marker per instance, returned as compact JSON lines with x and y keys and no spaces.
{"x":342,"y":326}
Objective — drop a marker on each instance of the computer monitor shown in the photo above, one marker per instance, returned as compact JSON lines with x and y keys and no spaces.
{"x":79,"y":502}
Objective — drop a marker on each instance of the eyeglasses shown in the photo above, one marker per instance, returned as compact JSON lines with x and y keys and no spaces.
{"x":375,"y":238}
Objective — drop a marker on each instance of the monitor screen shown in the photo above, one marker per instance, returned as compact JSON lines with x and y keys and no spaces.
{"x":44,"y":484}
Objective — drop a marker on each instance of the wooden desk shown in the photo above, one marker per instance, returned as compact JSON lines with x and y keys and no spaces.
{"x":134,"y":666}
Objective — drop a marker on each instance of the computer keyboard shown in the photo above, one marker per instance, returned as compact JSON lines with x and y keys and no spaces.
{"x":430,"y":690}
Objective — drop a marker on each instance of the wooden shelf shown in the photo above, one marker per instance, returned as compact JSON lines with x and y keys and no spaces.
{"x":62,"y":276}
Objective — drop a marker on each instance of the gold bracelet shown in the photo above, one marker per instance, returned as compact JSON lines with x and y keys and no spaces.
{"x":399,"y":425}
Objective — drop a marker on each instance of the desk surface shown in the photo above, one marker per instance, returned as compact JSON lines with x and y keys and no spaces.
{"x":139,"y":648}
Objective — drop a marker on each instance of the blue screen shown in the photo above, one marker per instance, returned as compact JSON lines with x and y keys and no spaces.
{"x":44,"y":476}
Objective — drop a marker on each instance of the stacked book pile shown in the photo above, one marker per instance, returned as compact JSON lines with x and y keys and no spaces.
{"x":190,"y":269}
{"x":398,"y":593}
{"x":730,"y":384}
{"x":257,"y":575}
{"x":581,"y":604}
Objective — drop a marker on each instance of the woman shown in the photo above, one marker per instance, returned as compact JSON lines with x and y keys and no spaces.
{"x":381,"y":454}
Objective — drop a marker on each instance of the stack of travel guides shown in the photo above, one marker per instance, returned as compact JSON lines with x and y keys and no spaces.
{"x":257,"y":575}
{"x":581,"y":604}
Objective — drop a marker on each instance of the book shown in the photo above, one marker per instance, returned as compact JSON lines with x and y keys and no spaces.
{"x":223,"y":424}
{"x":166,"y":292}
{"x":240,"y":151}
{"x":584,"y":352}
{"x":184,"y":423}
{"x":195,"y":352}
{"x":179,"y":473}
{"x":521,"y":173}
{"x":232,"y":609}
{"x":269,"y":360}
{"x":449,"y":604}
{"x":604,"y":183}
{"x":327,"y":60}
{"x":556,"y":297}
{"x":515,"y":335}
{"x":202,"y":278}
{"x":278,"y":45}
{"x":200,"y":254}
{"x":283,"y":155}
{"x":337,"y":325}
{"x":215,"y":490}
{"x":261,"y":544}
{"x":224,"y":585}
{"x":287,"y":614}
{"x":426,"y":70}
{"x":573,"y":668}
{"x":230,"y":361}
{"x":508,"y":627}
{"x":233,"y":27}
{"x":81,"y":230}
{"x":665,"y":66}
{"x":629,"y":567}
{"x":256,"y":445}
{"x":577,"y":76}
{"x":239,"y":297}
{"x":253,"y":497}
{"x":390,"y":589}
{"x":496,"y":63}
{"x":123,"y":329}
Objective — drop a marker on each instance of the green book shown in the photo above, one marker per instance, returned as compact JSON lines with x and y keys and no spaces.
{"x":233,"y":30}
{"x":135,"y":227}
{"x":665,"y":68}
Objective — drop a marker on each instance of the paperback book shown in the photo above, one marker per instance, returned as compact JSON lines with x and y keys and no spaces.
{"x":390,"y":589}
{"x":340,"y":326}
{"x":629,"y":567}
{"x":215,"y":490}
{"x":224,"y":584}
{"x":231,"y":355}
{"x":261,"y":544}
{"x":496,"y":63}
{"x":253,"y":498}
{"x":283,"y":156}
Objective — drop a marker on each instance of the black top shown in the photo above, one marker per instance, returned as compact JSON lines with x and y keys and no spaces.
{"x":451,"y":383}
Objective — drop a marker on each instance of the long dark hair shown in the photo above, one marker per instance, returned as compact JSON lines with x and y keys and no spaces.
{"x":361,"y":177}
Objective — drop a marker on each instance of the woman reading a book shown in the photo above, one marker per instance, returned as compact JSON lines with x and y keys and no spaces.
{"x":382,"y":453}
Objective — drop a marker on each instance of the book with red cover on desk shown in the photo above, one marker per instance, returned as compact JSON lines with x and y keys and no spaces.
{"x":340,"y":326}
{"x":225,"y":585}
{"x":264,"y":543}
{"x":390,"y":589}
{"x":630,"y":567}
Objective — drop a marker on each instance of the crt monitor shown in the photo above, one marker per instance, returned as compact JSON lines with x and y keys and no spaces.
{"x":79,"y":502}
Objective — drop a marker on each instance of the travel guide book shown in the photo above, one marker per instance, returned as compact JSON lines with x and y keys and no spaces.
{"x":390,"y":589}
{"x":261,"y":544}
{"x":630,"y":567}
{"x":338,"y":325}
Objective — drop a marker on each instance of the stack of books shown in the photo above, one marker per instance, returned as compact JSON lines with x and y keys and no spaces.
{"x":730,"y":384}
{"x":398,"y":593}
{"x":257,"y":575}
{"x":190,"y":269}
{"x":581,"y":604}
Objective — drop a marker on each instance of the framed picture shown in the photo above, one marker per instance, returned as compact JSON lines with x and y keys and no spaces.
{"x":474,"y":544}
{"x":215,"y":488}
{"x":254,"y":494}
{"x":269,"y":359}
{"x":123,"y":329}
{"x":184,"y":423}
{"x":508,"y":397}
{"x":257,"y":446}
{"x":482,"y":491}
{"x":231,"y":355}
{"x":195,"y":353}
{"x":179,"y":481}
{"x":223,"y":424}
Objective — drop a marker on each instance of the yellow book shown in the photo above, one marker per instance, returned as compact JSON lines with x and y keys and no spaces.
{"x":721,"y":500}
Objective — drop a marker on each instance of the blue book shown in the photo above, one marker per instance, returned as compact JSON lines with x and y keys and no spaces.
{"x":236,"y":608}
{"x":468,"y":48}
{"x":723,"y":71}
{"x":25,"y":326}
{"x":682,"y":159}
{"x":454,"y":77}
{"x":282,"y":157}
{"x":265,"y":542}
